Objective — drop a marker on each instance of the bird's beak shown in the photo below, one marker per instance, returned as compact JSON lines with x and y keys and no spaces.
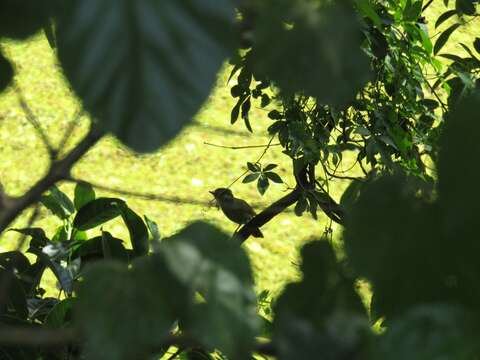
{"x":211,"y":192}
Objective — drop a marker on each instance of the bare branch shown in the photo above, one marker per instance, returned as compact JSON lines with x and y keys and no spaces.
{"x":59,"y":170}
{"x":241,"y":147}
{"x":31,"y":336}
{"x":36,"y":125}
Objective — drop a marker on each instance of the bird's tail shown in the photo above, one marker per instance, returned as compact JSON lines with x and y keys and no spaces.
{"x":257,"y":233}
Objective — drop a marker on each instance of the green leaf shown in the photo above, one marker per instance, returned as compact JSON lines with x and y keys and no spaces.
{"x":412,"y":11}
{"x":133,"y":63}
{"x":274,"y":177}
{"x":236,"y":91}
{"x":94,"y":249}
{"x":444,"y":17}
{"x":351,"y":193}
{"x":60,"y":315}
{"x":466,"y":7}
{"x":476,"y":44}
{"x":14,"y":293}
{"x":250,"y":177}
{"x":253,"y":167}
{"x":137,"y":230}
{"x":295,"y":59}
{"x":270,"y":167}
{"x":39,"y":239}
{"x":431,"y":331}
{"x":275,"y":115}
{"x":315,"y":315}
{"x":262,"y":184}
{"x":204,"y":259}
{"x":20,"y":19}
{"x":429,"y":103}
{"x":62,"y":274}
{"x":245,"y":113}
{"x":443,"y":38}
{"x":152,"y":228}
{"x":6,"y":73}
{"x":58,"y":203}
{"x":301,"y":206}
{"x":84,"y":193}
{"x":61,"y":234}
{"x":365,"y":7}
{"x":265,"y":100}
{"x":97,"y":212}
{"x":236,"y":111}
{"x":123,"y":313}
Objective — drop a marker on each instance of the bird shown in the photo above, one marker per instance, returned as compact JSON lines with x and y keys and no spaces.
{"x":235,"y":209}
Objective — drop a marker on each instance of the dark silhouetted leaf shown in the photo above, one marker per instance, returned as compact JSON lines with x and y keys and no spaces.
{"x":6,"y":72}
{"x":443,"y":38}
{"x":123,"y":313}
{"x":444,"y":17}
{"x":274,"y":177}
{"x":205,"y":260}
{"x":250,"y":177}
{"x":313,"y":316}
{"x":137,"y":229}
{"x":295,"y":58}
{"x":431,"y":332}
{"x":262,"y":184}
{"x":97,"y":212}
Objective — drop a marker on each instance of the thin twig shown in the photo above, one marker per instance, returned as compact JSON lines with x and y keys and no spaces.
{"x":71,"y":127}
{"x":176,"y":353}
{"x":240,"y":147}
{"x":59,"y":170}
{"x":256,"y":162}
{"x":36,"y":125}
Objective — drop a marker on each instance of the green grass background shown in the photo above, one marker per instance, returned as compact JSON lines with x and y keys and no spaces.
{"x":185,"y":169}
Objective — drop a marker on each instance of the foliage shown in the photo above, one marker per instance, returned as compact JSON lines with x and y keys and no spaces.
{"x":335,"y":77}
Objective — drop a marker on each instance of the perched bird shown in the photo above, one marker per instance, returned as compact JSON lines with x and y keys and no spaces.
{"x":235,"y":209}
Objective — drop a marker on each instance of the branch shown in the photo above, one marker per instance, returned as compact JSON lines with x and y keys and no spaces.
{"x":59,"y":170}
{"x":240,"y":147}
{"x":31,"y":336}
{"x":36,"y":125}
{"x":305,"y":182}
{"x":268,"y":214}
{"x":44,"y":337}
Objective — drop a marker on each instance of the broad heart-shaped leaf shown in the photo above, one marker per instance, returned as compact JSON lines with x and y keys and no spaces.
{"x":97,"y":212}
{"x":84,"y":193}
{"x":433,"y":331}
{"x":208,"y":261}
{"x":143,"y":68}
{"x":322,"y":314}
{"x":6,"y":72}
{"x":320,"y":55}
{"x":413,"y":251}
{"x":123,"y":313}
{"x":137,"y":229}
